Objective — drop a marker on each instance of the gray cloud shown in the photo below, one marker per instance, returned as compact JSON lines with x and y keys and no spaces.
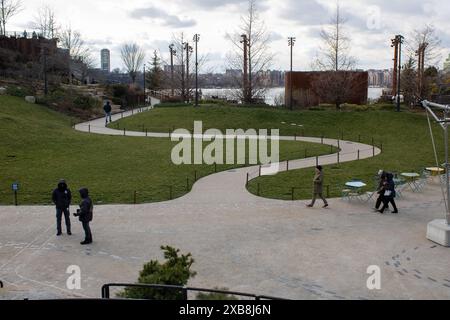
{"x":262,"y":5}
{"x":305,"y":12}
{"x":275,"y":36}
{"x":164,"y":17}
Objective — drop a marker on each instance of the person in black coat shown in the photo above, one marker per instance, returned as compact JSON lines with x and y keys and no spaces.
{"x":85,"y":214}
{"x":108,"y":109}
{"x":380,"y":190}
{"x":389,"y":194}
{"x":62,"y":198}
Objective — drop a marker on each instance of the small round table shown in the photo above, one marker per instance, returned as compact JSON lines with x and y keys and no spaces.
{"x":435,"y":171}
{"x":356,"y":184}
{"x":411,"y":179}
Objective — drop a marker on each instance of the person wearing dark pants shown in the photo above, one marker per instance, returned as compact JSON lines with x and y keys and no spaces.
{"x":380,"y":190}
{"x":318,"y":187}
{"x":85,"y":214}
{"x":389,"y":194}
{"x":108,"y":109}
{"x":62,"y":198}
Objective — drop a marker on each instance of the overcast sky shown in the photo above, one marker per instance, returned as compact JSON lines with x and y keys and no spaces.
{"x":151,"y":23}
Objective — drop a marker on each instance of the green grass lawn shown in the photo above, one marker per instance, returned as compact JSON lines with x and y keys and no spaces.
{"x":404,"y":136}
{"x":38,"y":147}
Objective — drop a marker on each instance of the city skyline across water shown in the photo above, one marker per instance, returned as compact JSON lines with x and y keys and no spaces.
{"x":152,"y":24}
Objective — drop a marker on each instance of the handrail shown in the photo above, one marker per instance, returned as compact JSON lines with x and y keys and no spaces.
{"x":183,"y":289}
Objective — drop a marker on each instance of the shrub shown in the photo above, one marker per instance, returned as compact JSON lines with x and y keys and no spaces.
{"x":119,"y":90}
{"x":176,"y":270}
{"x":18,"y":91}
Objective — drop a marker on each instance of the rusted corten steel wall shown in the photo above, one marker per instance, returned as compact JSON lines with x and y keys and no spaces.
{"x":308,"y":89}
{"x":30,"y":48}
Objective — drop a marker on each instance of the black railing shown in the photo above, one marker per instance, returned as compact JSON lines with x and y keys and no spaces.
{"x":184,"y":290}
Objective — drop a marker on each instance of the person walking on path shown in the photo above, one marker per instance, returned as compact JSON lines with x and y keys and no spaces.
{"x":380,"y":190}
{"x":107,"y":108}
{"x":389,"y":194}
{"x":85,"y":215}
{"x":62,"y":197}
{"x":318,"y":187}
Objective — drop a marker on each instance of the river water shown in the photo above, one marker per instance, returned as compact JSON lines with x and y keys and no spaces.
{"x":272,"y":93}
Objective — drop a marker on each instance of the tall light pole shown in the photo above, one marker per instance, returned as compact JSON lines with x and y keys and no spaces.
{"x":44,"y":55}
{"x":421,"y":66}
{"x":172,"y":54}
{"x":399,"y":39}
{"x":244,"y":41}
{"x":395,"y":75}
{"x":291,"y":43}
{"x":145,"y":93}
{"x":189,"y":50}
{"x":196,"y":40}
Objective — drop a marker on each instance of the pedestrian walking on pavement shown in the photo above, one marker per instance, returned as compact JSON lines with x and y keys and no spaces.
{"x":108,"y":109}
{"x":380,"y":190}
{"x":318,"y":187}
{"x":389,"y":194}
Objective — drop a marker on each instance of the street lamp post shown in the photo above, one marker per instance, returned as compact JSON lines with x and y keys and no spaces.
{"x":394,"y":75}
{"x":172,"y":54}
{"x":189,"y":50}
{"x":291,"y":42}
{"x":399,"y":39}
{"x":196,"y":40}
{"x":145,"y":93}
{"x":246,"y":94}
{"x":421,"y":67}
{"x":44,"y":56}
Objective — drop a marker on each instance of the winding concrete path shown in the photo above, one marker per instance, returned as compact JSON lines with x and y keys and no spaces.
{"x":238,"y":240}
{"x":231,"y":185}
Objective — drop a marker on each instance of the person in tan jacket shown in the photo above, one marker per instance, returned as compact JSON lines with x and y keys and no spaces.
{"x":318,"y":187}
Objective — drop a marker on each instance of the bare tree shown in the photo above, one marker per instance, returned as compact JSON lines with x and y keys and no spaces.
{"x":425,"y":36}
{"x":45,"y":22}
{"x":251,"y":54}
{"x":133,"y":58}
{"x":184,"y":72}
{"x":335,"y":85}
{"x":8,"y":8}
{"x":72,"y":41}
{"x":334,"y":52}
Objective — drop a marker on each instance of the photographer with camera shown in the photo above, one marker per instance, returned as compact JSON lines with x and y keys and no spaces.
{"x":85,"y":214}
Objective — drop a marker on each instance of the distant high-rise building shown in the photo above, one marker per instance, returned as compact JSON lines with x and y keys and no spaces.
{"x":105,"y":60}
{"x":447,"y":64}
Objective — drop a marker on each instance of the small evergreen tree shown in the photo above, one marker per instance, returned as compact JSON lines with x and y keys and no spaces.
{"x":409,"y":82}
{"x":176,"y":270}
{"x":155,"y":75}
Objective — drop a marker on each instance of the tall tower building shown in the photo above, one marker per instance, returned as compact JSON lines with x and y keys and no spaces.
{"x":447,"y":64}
{"x":106,"y":60}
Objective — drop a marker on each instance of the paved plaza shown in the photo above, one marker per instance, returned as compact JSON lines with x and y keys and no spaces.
{"x":239,"y":241}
